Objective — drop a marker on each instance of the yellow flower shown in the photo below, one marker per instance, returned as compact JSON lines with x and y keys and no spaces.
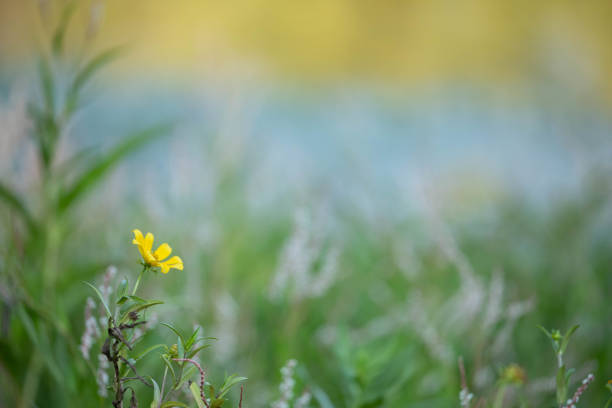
{"x":156,"y":259}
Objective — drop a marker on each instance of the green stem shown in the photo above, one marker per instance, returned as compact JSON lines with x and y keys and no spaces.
{"x":138,"y":280}
{"x":32,"y":380}
{"x":163,"y":397}
{"x":608,"y":403}
{"x":499,"y":398}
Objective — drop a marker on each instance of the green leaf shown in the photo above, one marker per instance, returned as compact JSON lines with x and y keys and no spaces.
{"x":122,"y":300}
{"x":229,"y":383}
{"x":191,"y":339}
{"x":321,"y":397}
{"x":137,"y":308}
{"x":12,"y":200}
{"x":101,"y":298}
{"x":156,"y":395}
{"x":546,"y":332}
{"x":40,"y":341}
{"x":46,"y":128}
{"x":217,"y":402}
{"x":138,"y":299}
{"x":99,"y":168}
{"x":57,"y":43}
{"x":122,"y":290}
{"x":568,"y":374}
{"x":566,"y":338}
{"x":171,"y":404}
{"x":174,"y":329}
{"x":181,"y":348}
{"x":47,"y":87}
{"x":195,"y":392}
{"x":555,"y":344}
{"x":85,"y":74}
{"x":195,"y":351}
{"x":147,"y":351}
{"x":26,"y":320}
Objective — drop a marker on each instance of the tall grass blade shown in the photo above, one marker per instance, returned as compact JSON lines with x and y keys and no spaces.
{"x":57,"y":42}
{"x":47,"y":86}
{"x":13,"y":201}
{"x":85,"y":74}
{"x":102,"y":166}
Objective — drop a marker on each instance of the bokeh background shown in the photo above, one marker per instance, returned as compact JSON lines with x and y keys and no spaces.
{"x":371,"y":188}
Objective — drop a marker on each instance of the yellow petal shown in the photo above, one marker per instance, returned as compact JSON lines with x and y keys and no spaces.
{"x":138,"y":239}
{"x":162,"y":252}
{"x":164,"y":268}
{"x":148,"y":242}
{"x":174,"y":262}
{"x":142,"y":252}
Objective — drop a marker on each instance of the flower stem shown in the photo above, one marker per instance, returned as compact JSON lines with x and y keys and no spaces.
{"x":144,"y":269}
{"x":499,"y":398}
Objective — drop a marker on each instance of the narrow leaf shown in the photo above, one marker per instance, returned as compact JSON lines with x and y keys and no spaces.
{"x":192,"y":339}
{"x":170,"y":404}
{"x":229,"y":383}
{"x":156,"y":395}
{"x":12,"y":200}
{"x":47,"y":86}
{"x":566,"y":338}
{"x":137,"y":308}
{"x":99,"y":169}
{"x":174,"y":329}
{"x":196,"y":350}
{"x":108,"y":312}
{"x":181,"y":348}
{"x":85,"y":74}
{"x":57,"y":43}
{"x":147,"y":351}
{"x":122,"y":289}
{"x":195,"y":392}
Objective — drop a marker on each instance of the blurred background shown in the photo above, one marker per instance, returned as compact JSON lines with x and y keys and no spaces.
{"x":371,"y":188}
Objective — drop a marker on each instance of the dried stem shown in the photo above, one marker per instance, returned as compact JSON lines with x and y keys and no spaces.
{"x":462,"y":373}
{"x":111,"y":349}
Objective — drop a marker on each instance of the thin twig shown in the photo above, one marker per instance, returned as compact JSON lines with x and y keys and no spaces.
{"x":135,"y":372}
{"x":462,"y":373}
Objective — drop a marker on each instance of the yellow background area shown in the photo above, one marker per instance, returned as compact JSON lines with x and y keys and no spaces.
{"x":386,"y":40}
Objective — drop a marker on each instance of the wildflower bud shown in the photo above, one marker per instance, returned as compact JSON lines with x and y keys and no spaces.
{"x":174,"y":351}
{"x":556,"y":335}
{"x":514,"y":374}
